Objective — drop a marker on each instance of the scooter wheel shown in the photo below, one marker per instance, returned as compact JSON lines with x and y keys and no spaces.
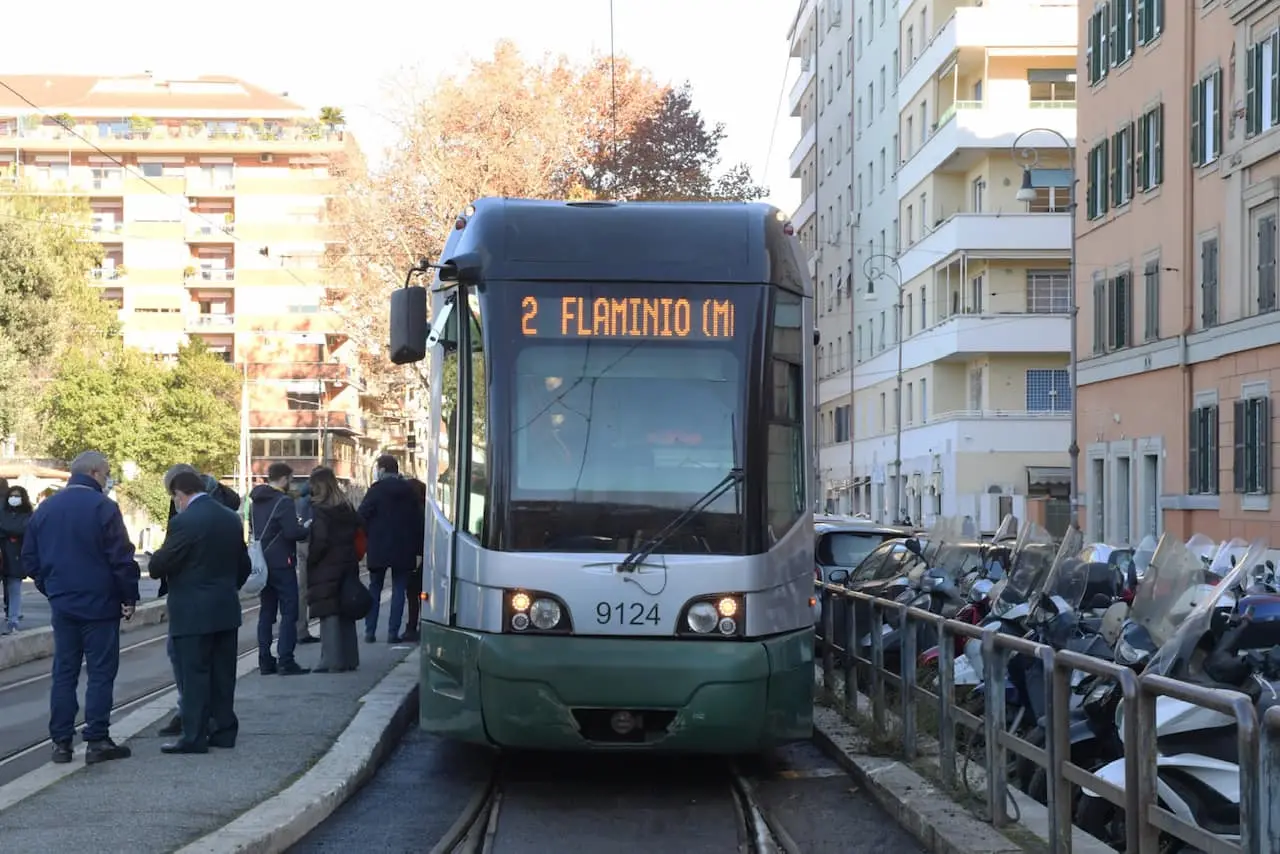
{"x":1101,"y":819}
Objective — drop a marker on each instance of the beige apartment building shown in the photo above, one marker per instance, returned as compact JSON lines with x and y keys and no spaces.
{"x":981,"y":320}
{"x":210,"y":199}
{"x":1179,"y":335}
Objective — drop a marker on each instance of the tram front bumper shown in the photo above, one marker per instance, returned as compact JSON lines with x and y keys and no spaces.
{"x":563,"y":693}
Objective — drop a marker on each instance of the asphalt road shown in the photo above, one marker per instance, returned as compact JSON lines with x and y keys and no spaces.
{"x":621,"y":804}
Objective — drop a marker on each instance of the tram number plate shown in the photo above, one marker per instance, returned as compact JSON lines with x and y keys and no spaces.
{"x":627,"y":614}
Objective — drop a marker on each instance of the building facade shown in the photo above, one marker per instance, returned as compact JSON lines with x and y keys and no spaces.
{"x":1179,"y":334}
{"x":210,"y":198}
{"x":925,"y":258}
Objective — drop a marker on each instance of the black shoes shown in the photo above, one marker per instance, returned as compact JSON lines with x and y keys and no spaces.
{"x":308,"y":639}
{"x":291,"y":668}
{"x":179,"y":747}
{"x":267,"y":667}
{"x":62,"y":752}
{"x":173,"y":727}
{"x":104,"y":751}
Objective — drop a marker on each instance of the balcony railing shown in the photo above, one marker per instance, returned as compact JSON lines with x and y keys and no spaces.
{"x":105,"y":274}
{"x":194,"y":132}
{"x":200,"y":186}
{"x":211,"y":321}
{"x":214,"y":276}
{"x":1052,"y":105}
{"x":326,"y":371}
{"x":950,"y":112}
{"x":306,"y":419}
{"x":224,"y":232}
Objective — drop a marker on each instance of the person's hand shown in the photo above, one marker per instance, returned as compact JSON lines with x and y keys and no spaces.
{"x":126,"y":611}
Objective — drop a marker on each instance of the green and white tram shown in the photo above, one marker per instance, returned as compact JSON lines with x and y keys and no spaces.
{"x":619,"y":543}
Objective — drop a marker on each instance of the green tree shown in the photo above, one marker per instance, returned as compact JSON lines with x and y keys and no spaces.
{"x":48,"y":309}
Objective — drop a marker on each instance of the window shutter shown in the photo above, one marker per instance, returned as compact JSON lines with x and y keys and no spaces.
{"x":1139,"y":153}
{"x":1157,"y":149}
{"x":1216,"y":116}
{"x":1274,"y":82}
{"x":1104,"y":201}
{"x":1194,"y":486}
{"x":1238,"y":460}
{"x":1115,"y":168}
{"x":1089,"y":53}
{"x":1091,"y":189}
{"x":1157,"y":17}
{"x":1262,"y":411}
{"x":1211,"y":444}
{"x":1142,"y":21}
{"x":1113,"y":21}
{"x":1130,"y":28}
{"x":1196,"y":105}
{"x":1252,"y":113}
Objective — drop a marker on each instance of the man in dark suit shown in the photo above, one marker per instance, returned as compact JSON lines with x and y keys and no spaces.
{"x":205,"y":562}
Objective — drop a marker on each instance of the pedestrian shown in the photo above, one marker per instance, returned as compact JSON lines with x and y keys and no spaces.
{"x":414,"y":590}
{"x":334,"y":561}
{"x":273,"y":520}
{"x":205,"y":561}
{"x":14,"y":516}
{"x":78,"y":551}
{"x":304,"y":516}
{"x":4,"y":490}
{"x":229,"y":499}
{"x":394,"y":524}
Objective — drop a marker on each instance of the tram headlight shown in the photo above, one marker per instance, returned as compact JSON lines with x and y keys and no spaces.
{"x":713,"y":616}
{"x":534,"y":612}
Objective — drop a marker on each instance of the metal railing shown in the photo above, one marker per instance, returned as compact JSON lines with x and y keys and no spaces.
{"x":1259,"y":781}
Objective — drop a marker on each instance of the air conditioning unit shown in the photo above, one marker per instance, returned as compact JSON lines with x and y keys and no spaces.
{"x":266,"y":158}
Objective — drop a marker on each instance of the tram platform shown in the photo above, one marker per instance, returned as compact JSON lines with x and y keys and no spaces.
{"x":305,"y":743}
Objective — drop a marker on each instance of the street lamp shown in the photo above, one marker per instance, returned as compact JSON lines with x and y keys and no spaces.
{"x":873,"y":269}
{"x":1028,"y":157}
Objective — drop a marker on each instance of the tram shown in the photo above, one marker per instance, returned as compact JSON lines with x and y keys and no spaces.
{"x":619,"y":537}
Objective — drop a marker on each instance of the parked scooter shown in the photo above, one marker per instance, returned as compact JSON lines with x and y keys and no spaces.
{"x":1227,"y":640}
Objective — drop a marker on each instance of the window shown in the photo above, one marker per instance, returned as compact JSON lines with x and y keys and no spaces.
{"x":860,"y":39}
{"x":1206,"y":119}
{"x":1209,"y":283}
{"x":882,"y":170}
{"x":1097,"y":203}
{"x":911,"y":402}
{"x":151,"y":170}
{"x":978,"y":190}
{"x":1099,"y":313}
{"x":1148,"y":153}
{"x":840,"y":65}
{"x":911,"y":45}
{"x":1120,"y":311}
{"x":1122,"y":166}
{"x":841,"y":431}
{"x":858,"y":116}
{"x":1202,"y":451}
{"x":447,"y":466}
{"x":1049,"y":85}
{"x":1097,"y":43}
{"x":924,"y":401}
{"x":880,"y":105}
{"x":1151,"y":300}
{"x":1048,"y":390}
{"x":1262,"y":86}
{"x":1252,"y":434}
{"x":895,"y":70}
{"x":1048,"y":292}
{"x":478,"y":469}
{"x":1053,"y":191}
{"x":786,"y":478}
{"x":1150,"y":20}
{"x":1266,"y":255}
{"x":1122,"y":31}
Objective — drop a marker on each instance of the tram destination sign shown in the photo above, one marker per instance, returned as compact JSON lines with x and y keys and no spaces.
{"x":647,"y":317}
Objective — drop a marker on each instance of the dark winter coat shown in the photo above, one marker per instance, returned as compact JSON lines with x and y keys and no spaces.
{"x":205,"y":561}
{"x":273,"y":519}
{"x":224,"y":495}
{"x":394,"y":520}
{"x":331,"y":558}
{"x":12,"y":526}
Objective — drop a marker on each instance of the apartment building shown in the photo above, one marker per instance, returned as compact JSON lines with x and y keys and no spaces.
{"x":209,"y":197}
{"x":1179,"y":333}
{"x":975,"y":305}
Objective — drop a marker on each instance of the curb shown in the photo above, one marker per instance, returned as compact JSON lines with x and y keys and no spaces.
{"x":927,"y":812}
{"x":277,"y":823}
{"x":35,"y":644}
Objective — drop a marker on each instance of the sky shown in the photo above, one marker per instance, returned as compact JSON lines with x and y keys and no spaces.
{"x":733,"y":52}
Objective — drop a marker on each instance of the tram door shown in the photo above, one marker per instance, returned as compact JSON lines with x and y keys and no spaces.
{"x":442,"y":469}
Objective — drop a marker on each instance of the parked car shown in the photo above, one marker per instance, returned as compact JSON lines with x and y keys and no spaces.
{"x":842,"y":544}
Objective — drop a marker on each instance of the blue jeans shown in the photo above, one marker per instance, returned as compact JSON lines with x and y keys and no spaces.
{"x":13,"y":602}
{"x":280,"y":596}
{"x":399,"y":583}
{"x":97,"y":643}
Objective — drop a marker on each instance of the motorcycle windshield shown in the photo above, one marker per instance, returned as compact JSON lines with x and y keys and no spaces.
{"x":1068,"y":576}
{"x":1142,"y":555}
{"x":1202,"y":547}
{"x":1228,"y":555}
{"x":1033,"y":558}
{"x":1008,"y":529}
{"x":1168,"y":592}
{"x":1174,"y":656}
{"x":946,"y":529}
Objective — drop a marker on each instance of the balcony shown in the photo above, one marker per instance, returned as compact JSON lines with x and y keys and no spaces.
{"x":208,"y":187}
{"x":974,"y":431}
{"x":798,"y":89}
{"x":805,"y":211}
{"x":326,"y":371}
{"x":107,"y":274}
{"x":306,"y":419}
{"x":994,"y":25}
{"x":196,"y":278}
{"x":209,"y":232}
{"x":211,"y":322}
{"x":806,"y":11}
{"x":990,"y":233}
{"x":970,"y":128}
{"x":808,"y":140}
{"x":192,"y":136}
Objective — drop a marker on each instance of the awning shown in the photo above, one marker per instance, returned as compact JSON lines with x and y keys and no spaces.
{"x":1048,"y":475}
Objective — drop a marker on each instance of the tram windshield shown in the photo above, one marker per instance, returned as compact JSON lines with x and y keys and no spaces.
{"x":611,"y":439}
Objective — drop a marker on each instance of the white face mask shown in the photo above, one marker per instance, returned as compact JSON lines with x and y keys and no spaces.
{"x":15,"y":501}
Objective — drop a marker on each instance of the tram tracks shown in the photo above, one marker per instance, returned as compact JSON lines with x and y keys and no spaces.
{"x":475,"y":831}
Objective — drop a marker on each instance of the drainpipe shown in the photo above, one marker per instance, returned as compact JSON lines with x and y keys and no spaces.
{"x":1189,"y":265}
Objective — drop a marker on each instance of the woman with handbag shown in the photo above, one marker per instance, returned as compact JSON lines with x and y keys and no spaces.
{"x":333,"y":573}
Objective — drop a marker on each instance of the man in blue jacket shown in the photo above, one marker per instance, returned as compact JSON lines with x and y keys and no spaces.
{"x":78,"y":551}
{"x":273,"y":519}
{"x":393,"y":522}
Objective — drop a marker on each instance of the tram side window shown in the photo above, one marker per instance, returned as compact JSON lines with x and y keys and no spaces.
{"x":785,"y":492}
{"x":479,"y":398}
{"x":446,"y":493}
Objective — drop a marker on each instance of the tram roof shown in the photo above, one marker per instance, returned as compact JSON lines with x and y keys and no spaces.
{"x":695,"y":242}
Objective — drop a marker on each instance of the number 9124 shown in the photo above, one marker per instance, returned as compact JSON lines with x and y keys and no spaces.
{"x":627,"y":614}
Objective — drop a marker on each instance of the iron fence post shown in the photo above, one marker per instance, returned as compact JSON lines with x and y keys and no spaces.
{"x":1057,"y":748}
{"x":828,"y":646}
{"x":877,"y":667}
{"x":946,"y":701}
{"x":907,"y":666}
{"x":850,"y":652}
{"x":1268,"y":836}
{"x":1142,"y":753}
{"x":1251,"y":807}
{"x":993,"y":725}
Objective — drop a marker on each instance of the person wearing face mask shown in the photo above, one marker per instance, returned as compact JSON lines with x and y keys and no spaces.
{"x":14,"y":516}
{"x":78,"y":551}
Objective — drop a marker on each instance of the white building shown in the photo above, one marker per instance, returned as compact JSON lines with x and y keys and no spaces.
{"x":985,"y":288}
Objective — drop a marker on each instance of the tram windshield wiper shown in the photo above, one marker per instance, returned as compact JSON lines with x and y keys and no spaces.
{"x":650,"y":545}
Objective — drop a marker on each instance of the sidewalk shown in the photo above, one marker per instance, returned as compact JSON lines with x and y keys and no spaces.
{"x":338,"y":723}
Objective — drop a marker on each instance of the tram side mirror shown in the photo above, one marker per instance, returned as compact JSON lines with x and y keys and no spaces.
{"x":464,"y":268}
{"x":408,"y":324}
